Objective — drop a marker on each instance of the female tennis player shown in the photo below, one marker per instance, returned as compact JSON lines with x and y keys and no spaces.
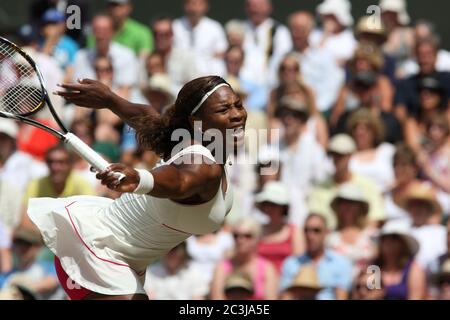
{"x":103,"y":247}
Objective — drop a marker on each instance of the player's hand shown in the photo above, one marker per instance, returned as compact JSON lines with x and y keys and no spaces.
{"x":87,"y":93}
{"x":127,"y":184}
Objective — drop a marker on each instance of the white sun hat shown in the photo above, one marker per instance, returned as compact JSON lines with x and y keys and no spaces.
{"x":398,"y":6}
{"x":341,"y":9}
{"x":9,"y":127}
{"x":274,"y":192}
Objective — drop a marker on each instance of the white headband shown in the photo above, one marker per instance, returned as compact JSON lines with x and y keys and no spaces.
{"x":206,"y":96}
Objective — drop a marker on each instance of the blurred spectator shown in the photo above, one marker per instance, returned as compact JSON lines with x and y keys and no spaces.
{"x":280,"y":239}
{"x":204,"y":37}
{"x":16,"y":167}
{"x":235,"y":31}
{"x":341,"y":149}
{"x":334,"y":271}
{"x":180,"y":64}
{"x":438,"y":272}
{"x":373,"y":158}
{"x":432,"y":101}
{"x":443,"y":281}
{"x":123,"y":59}
{"x":366,"y":85}
{"x":127,"y":31}
{"x":361,"y":289}
{"x":305,"y":286}
{"x":39,"y":7}
{"x":207,"y":250}
{"x":246,"y":233}
{"x":238,"y":286}
{"x":421,"y":203}
{"x":434,"y":157}
{"x":40,"y":275}
{"x":400,"y":37}
{"x":318,"y":66}
{"x":424,"y":29}
{"x":158,"y":92}
{"x":407,"y":95}
{"x":406,"y":171}
{"x":367,"y":32}
{"x":352,"y":238}
{"x":402,"y":277}
{"x":336,"y":35}
{"x":256,"y":94}
{"x":291,"y":85}
{"x":266,"y":41}
{"x":174,"y":278}
{"x":55,"y":43}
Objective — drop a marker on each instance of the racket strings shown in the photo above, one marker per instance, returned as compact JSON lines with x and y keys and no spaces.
{"x":19,"y":83}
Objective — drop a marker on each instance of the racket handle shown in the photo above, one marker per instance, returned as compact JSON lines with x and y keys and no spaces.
{"x":84,"y":151}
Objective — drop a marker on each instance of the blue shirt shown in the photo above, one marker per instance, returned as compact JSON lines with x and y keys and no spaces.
{"x":334,"y":271}
{"x":65,"y":51}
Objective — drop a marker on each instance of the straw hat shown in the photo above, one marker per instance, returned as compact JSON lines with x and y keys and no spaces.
{"x":365,"y":25}
{"x":341,"y":9}
{"x":306,"y":278}
{"x":239,"y":280}
{"x":398,"y":6}
{"x":351,"y":192}
{"x":424,"y":192}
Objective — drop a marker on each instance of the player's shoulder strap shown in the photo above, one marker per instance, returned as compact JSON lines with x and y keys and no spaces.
{"x":193,"y":149}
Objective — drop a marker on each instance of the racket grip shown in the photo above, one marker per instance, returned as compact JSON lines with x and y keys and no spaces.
{"x":84,"y":151}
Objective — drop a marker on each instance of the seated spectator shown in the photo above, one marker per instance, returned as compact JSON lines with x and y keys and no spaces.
{"x":362,"y":291}
{"x":5,"y":249}
{"x":352,"y":238}
{"x":432,"y":101}
{"x":407,"y":101}
{"x":438,"y":283}
{"x":319,"y":69}
{"x":40,"y":275}
{"x":127,"y":31}
{"x":280,"y":239}
{"x":305,"y":286}
{"x":402,"y":277}
{"x":367,"y":32}
{"x":442,"y":281}
{"x":336,"y":35}
{"x":434,"y":157}
{"x":341,"y":149}
{"x":235,"y":31}
{"x":334,"y":271}
{"x":292,"y":85}
{"x":421,"y":203}
{"x":207,"y":250}
{"x":174,"y":278}
{"x":202,"y":36}
{"x":55,"y":43}
{"x":238,"y":286}
{"x":366,"y":86}
{"x":247,"y":233}
{"x":406,"y":170}
{"x":373,"y":158}
{"x":400,"y":37}
{"x":123,"y":59}
{"x":266,"y":41}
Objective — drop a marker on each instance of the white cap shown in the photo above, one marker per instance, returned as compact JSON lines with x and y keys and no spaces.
{"x":274,"y":192}
{"x":403,"y":230}
{"x":342,"y":144}
{"x":9,"y":127}
{"x":341,"y":9}
{"x":398,"y":6}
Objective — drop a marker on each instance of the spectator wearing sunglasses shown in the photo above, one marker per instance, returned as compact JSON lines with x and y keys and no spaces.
{"x":334,"y":270}
{"x":246,"y":233}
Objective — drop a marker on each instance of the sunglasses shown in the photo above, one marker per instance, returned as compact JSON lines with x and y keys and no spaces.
{"x":313,"y":230}
{"x":242,"y":235}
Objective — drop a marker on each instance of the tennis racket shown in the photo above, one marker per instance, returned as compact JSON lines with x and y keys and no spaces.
{"x":23,"y":93}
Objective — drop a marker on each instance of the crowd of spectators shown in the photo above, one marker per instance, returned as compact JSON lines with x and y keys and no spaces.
{"x":351,"y":202}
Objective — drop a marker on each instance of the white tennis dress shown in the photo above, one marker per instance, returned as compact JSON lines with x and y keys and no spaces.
{"x":106,"y":245}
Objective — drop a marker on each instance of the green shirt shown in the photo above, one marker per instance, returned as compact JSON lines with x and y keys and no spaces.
{"x":133,"y":35}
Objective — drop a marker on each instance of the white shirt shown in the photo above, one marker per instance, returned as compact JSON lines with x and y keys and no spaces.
{"x":380,"y":170}
{"x":256,"y":66}
{"x":205,"y":256}
{"x":341,"y":45}
{"x":182,"y":67}
{"x":186,"y":284}
{"x":205,"y":40}
{"x":124,"y":62}
{"x":10,"y":204}
{"x":5,"y":237}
